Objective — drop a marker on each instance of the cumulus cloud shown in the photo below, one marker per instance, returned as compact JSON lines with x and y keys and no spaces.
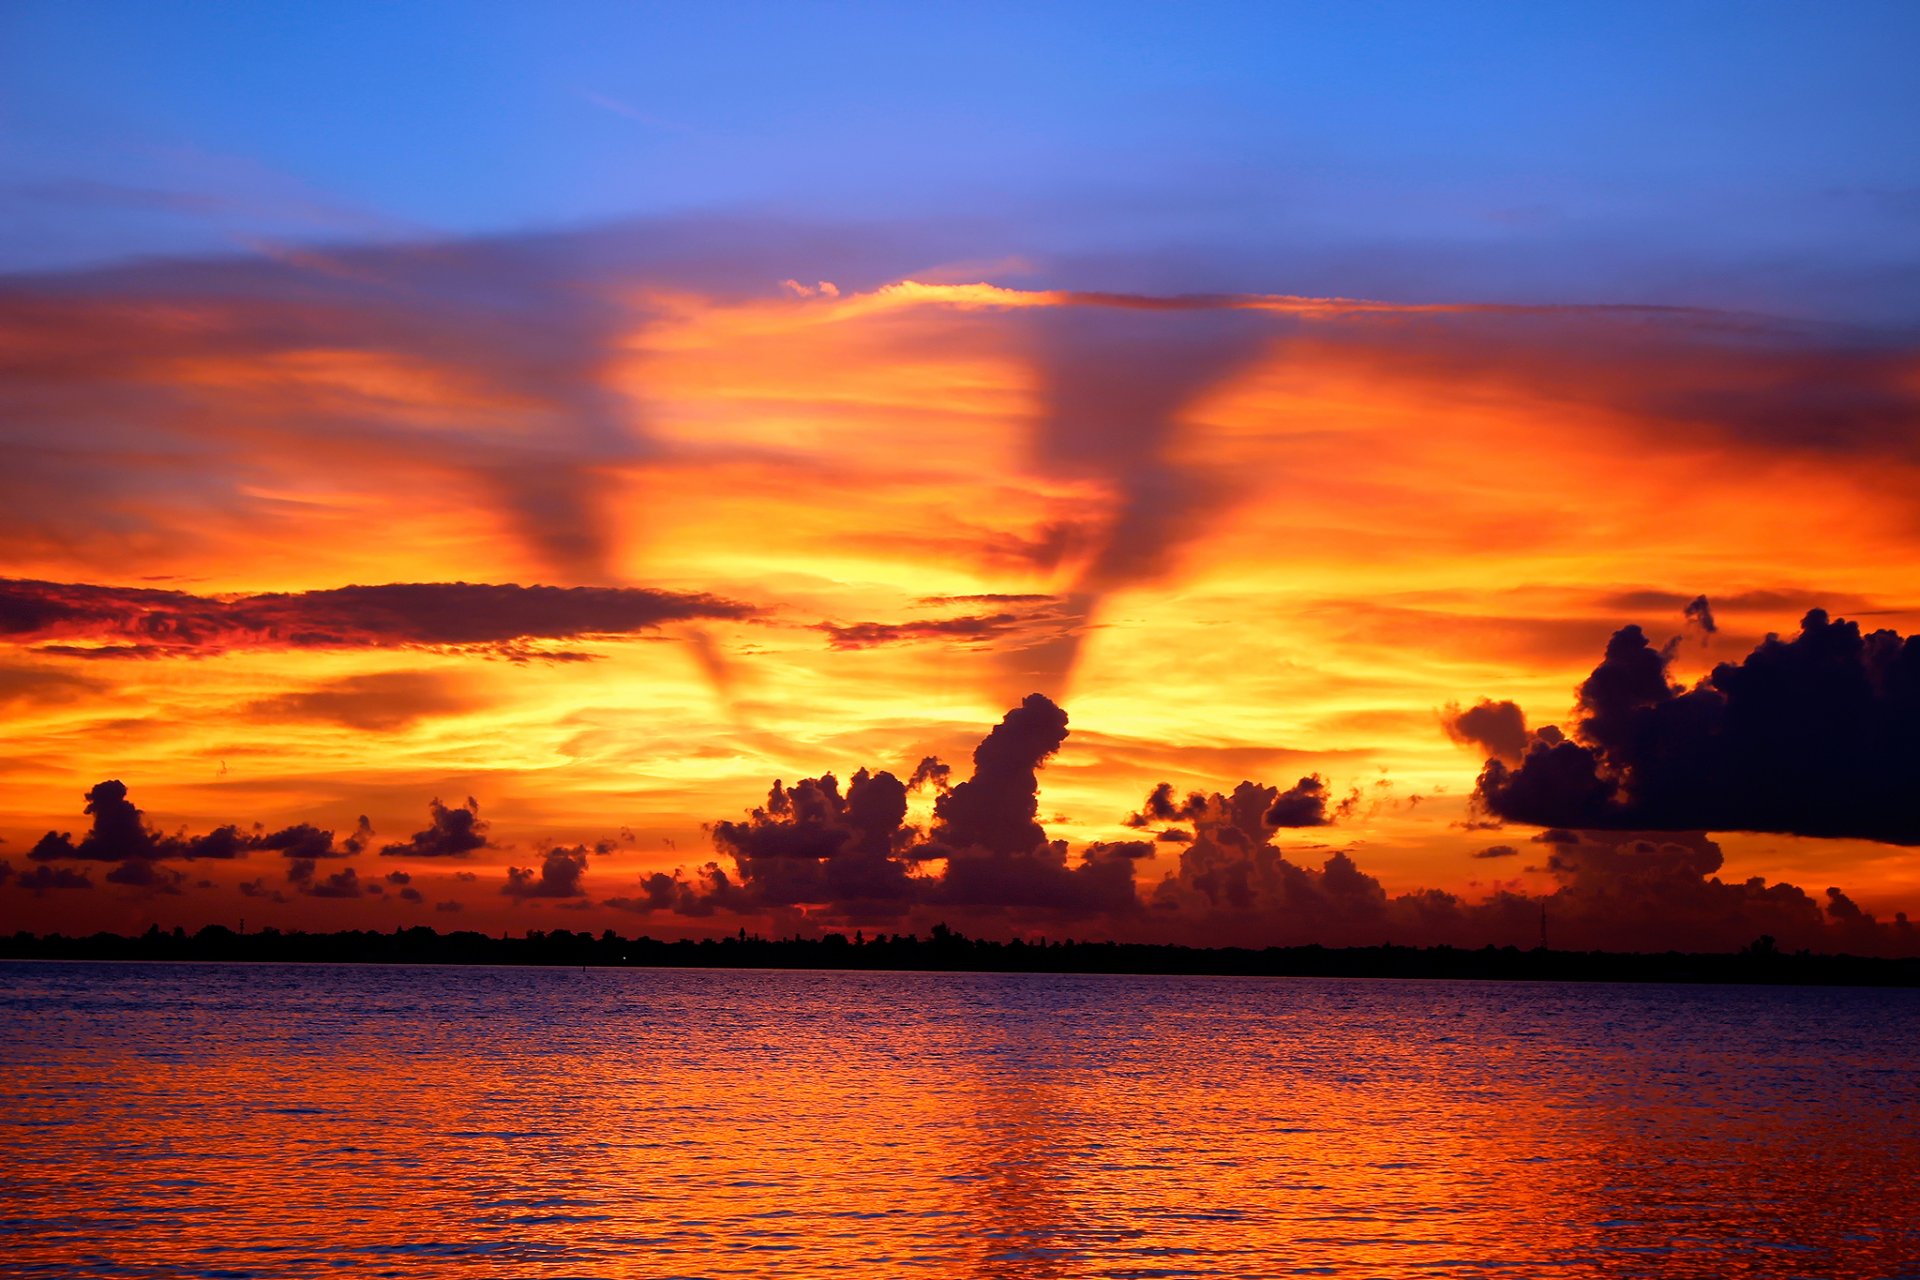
{"x":811,"y":844}
{"x":120,"y":832}
{"x":1253,"y":807}
{"x":695,"y":896}
{"x":80,"y":620}
{"x":1499,"y":729}
{"x":1812,"y":736}
{"x":931,"y":772}
{"x":344,"y":883}
{"x":449,"y":833}
{"x":559,"y":876}
{"x":38,"y":880}
{"x":142,"y":873}
{"x":813,"y":852}
{"x":997,"y":808}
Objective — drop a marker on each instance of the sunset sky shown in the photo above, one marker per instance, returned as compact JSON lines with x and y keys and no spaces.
{"x":472,"y":452}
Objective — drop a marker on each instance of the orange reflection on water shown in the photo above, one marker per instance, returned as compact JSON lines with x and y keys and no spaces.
{"x":282,"y":1120}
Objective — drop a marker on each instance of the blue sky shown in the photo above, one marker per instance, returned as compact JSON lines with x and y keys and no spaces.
{"x":1513,"y":150}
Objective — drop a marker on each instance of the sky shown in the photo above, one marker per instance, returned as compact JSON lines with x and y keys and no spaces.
{"x":1266,"y":473}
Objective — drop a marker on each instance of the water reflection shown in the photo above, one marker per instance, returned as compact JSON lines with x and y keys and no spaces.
{"x":288,"y":1121}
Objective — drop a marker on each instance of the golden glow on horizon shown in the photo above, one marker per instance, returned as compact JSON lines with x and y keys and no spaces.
{"x":1381,"y":529}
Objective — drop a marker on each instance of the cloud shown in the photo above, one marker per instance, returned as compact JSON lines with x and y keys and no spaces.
{"x":120,"y":832}
{"x":1302,"y":805}
{"x":79,"y":620}
{"x":38,"y":686}
{"x":260,"y":889}
{"x":813,"y":854}
{"x":1810,"y":736}
{"x":37,"y":880}
{"x":1700,"y":613}
{"x":973,"y":630}
{"x":380,"y":703}
{"x":1497,"y":728}
{"x":811,"y":844}
{"x":1251,"y":808}
{"x":143,"y":873}
{"x":344,"y":883}
{"x":997,"y":808}
{"x":559,"y":876}
{"x":997,"y":854}
{"x":695,"y":896}
{"x":450,"y":833}
{"x":931,"y":772}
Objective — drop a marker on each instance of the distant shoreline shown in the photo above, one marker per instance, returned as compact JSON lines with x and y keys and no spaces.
{"x":946,"y":951}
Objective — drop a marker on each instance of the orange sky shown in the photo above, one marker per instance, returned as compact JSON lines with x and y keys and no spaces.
{"x":1234,"y":538}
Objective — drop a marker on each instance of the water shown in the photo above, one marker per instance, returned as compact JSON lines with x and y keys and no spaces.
{"x":276,"y":1120}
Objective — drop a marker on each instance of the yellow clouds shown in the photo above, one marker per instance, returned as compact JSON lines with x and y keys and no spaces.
{"x":1236,"y":536}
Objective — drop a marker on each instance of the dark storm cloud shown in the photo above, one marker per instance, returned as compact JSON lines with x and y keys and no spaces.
{"x":260,"y":889}
{"x":808,"y":843}
{"x":1700,"y":613}
{"x":344,"y":883}
{"x":144,"y":873}
{"x":360,"y":840}
{"x":1810,"y":736}
{"x":1304,"y":804}
{"x":142,"y":622}
{"x":997,"y":854}
{"x":1252,"y":807}
{"x":449,"y":833}
{"x":998,"y":807}
{"x":1498,"y":728}
{"x":816,"y":855}
{"x":931,"y":772}
{"x":560,"y":875}
{"x":38,"y":880}
{"x":695,"y":896}
{"x":120,"y":832}
{"x":853,"y":856}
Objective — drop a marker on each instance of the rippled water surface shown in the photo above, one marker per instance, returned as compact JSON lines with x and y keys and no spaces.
{"x":306,"y":1120}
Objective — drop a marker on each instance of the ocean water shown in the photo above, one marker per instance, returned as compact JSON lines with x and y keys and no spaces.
{"x":282,"y":1120}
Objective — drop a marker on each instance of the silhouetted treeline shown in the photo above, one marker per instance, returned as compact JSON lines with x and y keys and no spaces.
{"x":944,"y":949}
